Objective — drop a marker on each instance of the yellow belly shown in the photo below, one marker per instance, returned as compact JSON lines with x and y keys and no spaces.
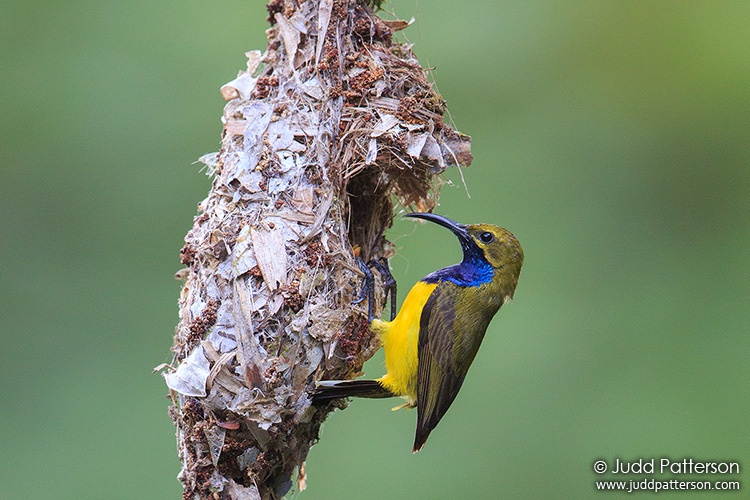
{"x":400,"y":340}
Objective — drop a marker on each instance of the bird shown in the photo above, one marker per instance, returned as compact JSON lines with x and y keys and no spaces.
{"x":432,"y":341}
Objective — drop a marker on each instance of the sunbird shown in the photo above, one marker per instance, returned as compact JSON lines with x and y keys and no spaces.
{"x":433,"y":340}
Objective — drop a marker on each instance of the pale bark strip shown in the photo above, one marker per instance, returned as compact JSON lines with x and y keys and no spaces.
{"x":321,"y":133}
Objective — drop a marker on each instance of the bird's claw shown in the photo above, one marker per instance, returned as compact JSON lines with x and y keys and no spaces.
{"x":389,"y":282}
{"x":368,"y":291}
{"x":368,"y":288}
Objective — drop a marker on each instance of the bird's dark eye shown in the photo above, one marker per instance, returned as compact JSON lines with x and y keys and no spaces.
{"x":487,"y":237}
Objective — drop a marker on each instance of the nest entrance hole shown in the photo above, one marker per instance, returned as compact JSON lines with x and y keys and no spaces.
{"x":370,"y":212}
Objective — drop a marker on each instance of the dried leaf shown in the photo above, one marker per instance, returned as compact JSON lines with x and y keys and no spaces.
{"x":397,"y":24}
{"x":386,"y":123}
{"x":241,"y":86}
{"x":215,"y":437}
{"x":270,"y":252}
{"x":324,"y":17}
{"x":239,"y":492}
{"x":456,"y":150}
{"x":190,"y":377}
{"x":416,"y":143}
{"x":231,"y":425}
{"x":431,"y":151}
{"x":248,"y":457}
{"x":241,"y":259}
{"x":290,"y":36}
{"x":254,"y":58}
{"x":372,"y":151}
{"x":312,"y":88}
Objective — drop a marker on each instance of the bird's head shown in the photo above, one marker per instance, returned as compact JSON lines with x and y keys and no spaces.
{"x":498,"y":245}
{"x":484,"y":243}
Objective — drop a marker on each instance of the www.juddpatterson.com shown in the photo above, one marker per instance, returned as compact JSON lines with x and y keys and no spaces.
{"x":666,"y":466}
{"x":656,"y":485}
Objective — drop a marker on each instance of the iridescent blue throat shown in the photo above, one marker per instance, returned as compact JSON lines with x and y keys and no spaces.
{"x":472,"y":271}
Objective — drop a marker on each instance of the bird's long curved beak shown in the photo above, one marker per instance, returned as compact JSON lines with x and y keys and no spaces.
{"x":458,"y":229}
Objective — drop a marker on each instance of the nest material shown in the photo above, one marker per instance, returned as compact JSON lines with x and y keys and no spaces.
{"x":321,"y":133}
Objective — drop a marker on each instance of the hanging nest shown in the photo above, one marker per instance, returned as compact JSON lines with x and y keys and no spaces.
{"x":322,"y":134}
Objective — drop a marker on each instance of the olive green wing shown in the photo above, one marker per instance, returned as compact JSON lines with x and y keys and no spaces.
{"x":437,"y":380}
{"x":452,"y":326}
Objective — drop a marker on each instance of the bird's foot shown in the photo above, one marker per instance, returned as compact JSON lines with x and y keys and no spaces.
{"x":368,"y":290}
{"x":368,"y":287}
{"x":389,"y":282}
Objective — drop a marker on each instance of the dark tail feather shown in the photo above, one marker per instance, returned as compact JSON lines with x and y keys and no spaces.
{"x":326,"y":390}
{"x":426,"y":421}
{"x":420,"y":438}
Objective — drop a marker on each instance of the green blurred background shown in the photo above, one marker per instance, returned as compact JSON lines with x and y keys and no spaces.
{"x":611,"y":137}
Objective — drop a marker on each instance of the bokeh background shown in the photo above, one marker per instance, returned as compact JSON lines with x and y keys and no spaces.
{"x":612,"y":137}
